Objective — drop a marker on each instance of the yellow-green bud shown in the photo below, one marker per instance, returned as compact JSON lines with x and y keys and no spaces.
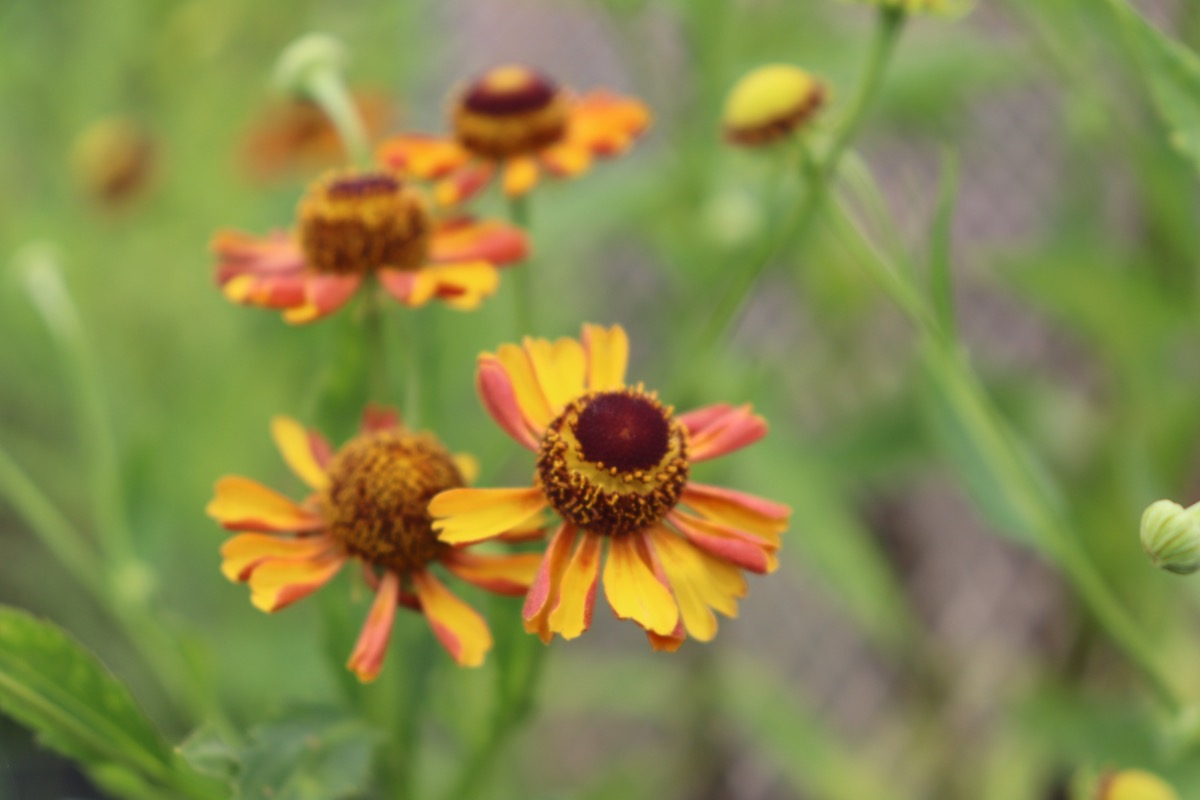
{"x":307,"y":57}
{"x":769,"y":103}
{"x":1171,"y":536}
{"x":1135,"y":784}
{"x":944,"y":7}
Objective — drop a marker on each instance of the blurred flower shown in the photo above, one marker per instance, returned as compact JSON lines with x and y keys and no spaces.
{"x":1135,"y":784}
{"x":296,"y":135}
{"x":359,"y":225}
{"x":769,"y":103}
{"x":516,"y":120}
{"x":1170,"y":535}
{"x":368,"y":504}
{"x":613,"y":462}
{"x":922,"y":6}
{"x":114,"y":160}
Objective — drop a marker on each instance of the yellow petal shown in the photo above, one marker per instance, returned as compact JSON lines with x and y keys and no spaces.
{"x":243,"y":504}
{"x":457,"y":626}
{"x":633,"y":590}
{"x":519,"y":368}
{"x":468,"y":467}
{"x":472,"y":515}
{"x":700,"y":582}
{"x":577,"y":589}
{"x":607,"y":356}
{"x":520,"y":175}
{"x":292,"y":440}
{"x":246,"y":550}
{"x":559,"y":367}
{"x":277,"y":584}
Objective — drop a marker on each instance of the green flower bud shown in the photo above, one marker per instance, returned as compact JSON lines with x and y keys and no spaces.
{"x":941,"y":7}
{"x":305,"y":59}
{"x":1171,"y":536}
{"x":769,"y":103}
{"x":1135,"y":784}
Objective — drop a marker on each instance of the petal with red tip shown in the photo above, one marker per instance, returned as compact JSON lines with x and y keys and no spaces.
{"x":238,"y":253}
{"x":632,"y":588}
{"x":700,"y":582}
{"x":607,"y":356}
{"x":500,"y":399}
{"x":325,"y":294}
{"x":267,"y":291}
{"x":543,"y":594}
{"x":463,"y":516}
{"x":747,"y":550}
{"x":426,"y":157}
{"x":457,"y":626}
{"x":467,"y":239}
{"x":378,"y":418}
{"x":517,"y":363}
{"x":246,"y":505}
{"x":572,"y":614}
{"x":502,"y":574}
{"x":715,"y":433}
{"x":276,"y":584}
{"x":371,"y":648}
{"x":738,"y":510}
{"x":462,"y":285}
{"x":242,"y":554}
{"x":463,"y":184}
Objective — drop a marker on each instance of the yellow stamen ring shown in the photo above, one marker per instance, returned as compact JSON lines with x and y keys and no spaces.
{"x":613,"y":462}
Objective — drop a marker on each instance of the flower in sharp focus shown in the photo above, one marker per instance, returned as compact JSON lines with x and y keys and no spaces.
{"x":296,"y":135}
{"x":355,"y":226}
{"x":1134,"y":784}
{"x":368,"y":504}
{"x":614,"y":463}
{"x":770,"y":103}
{"x":516,"y":121}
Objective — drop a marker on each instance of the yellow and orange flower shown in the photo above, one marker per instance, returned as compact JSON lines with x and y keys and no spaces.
{"x":357,"y":227}
{"x":516,"y":121}
{"x":614,"y":463}
{"x":368,"y":504}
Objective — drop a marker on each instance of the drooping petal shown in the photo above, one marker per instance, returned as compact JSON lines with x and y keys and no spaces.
{"x":503,"y":574}
{"x":722,"y":429}
{"x":245,"y":505}
{"x":276,"y":584}
{"x":499,"y":398}
{"x":467,"y":239}
{"x":607,"y":356}
{"x":463,"y":516}
{"x":276,"y":254}
{"x":242,"y":554}
{"x":669,"y":643}
{"x":378,"y":418}
{"x":517,"y":363}
{"x":325,"y":294}
{"x":423,"y":156}
{"x":572,"y":614}
{"x":606,"y":123}
{"x":457,"y":626}
{"x":462,"y":184}
{"x":738,"y":510}
{"x":267,"y":291}
{"x":567,"y":159}
{"x":369,"y":652}
{"x":559,"y":367}
{"x":700,"y":582}
{"x":520,"y":175}
{"x":632,"y":588}
{"x":468,"y":467}
{"x":745,"y":549}
{"x":402,"y":284}
{"x":543,"y":594}
{"x":295,"y":444}
{"x":462,"y":285}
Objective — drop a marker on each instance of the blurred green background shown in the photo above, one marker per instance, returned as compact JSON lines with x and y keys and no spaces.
{"x":908,"y":643}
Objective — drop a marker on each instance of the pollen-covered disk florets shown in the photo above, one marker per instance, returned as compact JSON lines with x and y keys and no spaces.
{"x":379,"y":489}
{"x":508,"y":111}
{"x":613,"y":462}
{"x":353,"y":223}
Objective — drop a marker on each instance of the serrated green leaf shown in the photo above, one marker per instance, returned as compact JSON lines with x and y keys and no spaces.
{"x":314,"y":754}
{"x":51,"y":684}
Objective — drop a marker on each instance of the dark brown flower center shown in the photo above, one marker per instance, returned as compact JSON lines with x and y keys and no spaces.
{"x":613,"y":462}
{"x":379,"y":491}
{"x":353,"y":223}
{"x":510,"y":111}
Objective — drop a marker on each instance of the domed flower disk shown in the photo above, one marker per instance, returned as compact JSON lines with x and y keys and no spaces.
{"x":614,"y":463}
{"x":365,"y":227}
{"x":368,"y":503}
{"x":516,"y":121}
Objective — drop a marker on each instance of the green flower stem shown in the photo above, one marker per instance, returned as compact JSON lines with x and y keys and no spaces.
{"x":327,"y":90}
{"x":820,"y":174}
{"x":522,"y":276}
{"x":374,"y":344}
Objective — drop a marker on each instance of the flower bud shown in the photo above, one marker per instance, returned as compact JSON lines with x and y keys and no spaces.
{"x":308,"y":56}
{"x":1171,"y":536}
{"x":770,"y":103}
{"x":1135,"y":784}
{"x":113,"y":160}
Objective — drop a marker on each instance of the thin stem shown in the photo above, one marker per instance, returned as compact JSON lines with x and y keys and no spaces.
{"x":520,"y":214}
{"x":327,"y":90}
{"x":376,"y":350}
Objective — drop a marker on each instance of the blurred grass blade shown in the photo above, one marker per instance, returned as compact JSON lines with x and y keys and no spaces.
{"x":1172,"y":73}
{"x":941,"y":271}
{"x":51,"y":684}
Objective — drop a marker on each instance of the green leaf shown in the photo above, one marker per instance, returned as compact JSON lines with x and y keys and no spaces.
{"x":51,"y":684}
{"x":209,"y":754}
{"x":1172,"y":73}
{"x":313,"y":754}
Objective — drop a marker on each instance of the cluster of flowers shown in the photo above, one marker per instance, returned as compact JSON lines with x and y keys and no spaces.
{"x":612,"y":461}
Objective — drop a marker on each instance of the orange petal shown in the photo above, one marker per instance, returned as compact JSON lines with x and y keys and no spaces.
{"x":276,"y":584}
{"x":276,"y":254}
{"x":502,"y":574}
{"x":572,"y":614}
{"x":324,"y":295}
{"x":369,"y":652}
{"x":243,"y":553}
{"x":468,"y":239}
{"x":606,"y":123}
{"x":739,"y":510}
{"x":463,"y":285}
{"x":267,"y":291}
{"x":700,"y":582}
{"x":567,"y":159}
{"x":721,"y":429}
{"x":607,"y":355}
{"x":634,"y":591}
{"x":457,"y":626}
{"x":520,"y":175}
{"x":747,"y":550}
{"x":463,"y":184}
{"x":495,"y":388}
{"x":559,"y":367}
{"x":246,"y":505}
{"x":543,"y":594}
{"x":426,"y":157}
{"x":472,"y":515}
{"x":295,"y":444}
{"x":517,"y":363}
